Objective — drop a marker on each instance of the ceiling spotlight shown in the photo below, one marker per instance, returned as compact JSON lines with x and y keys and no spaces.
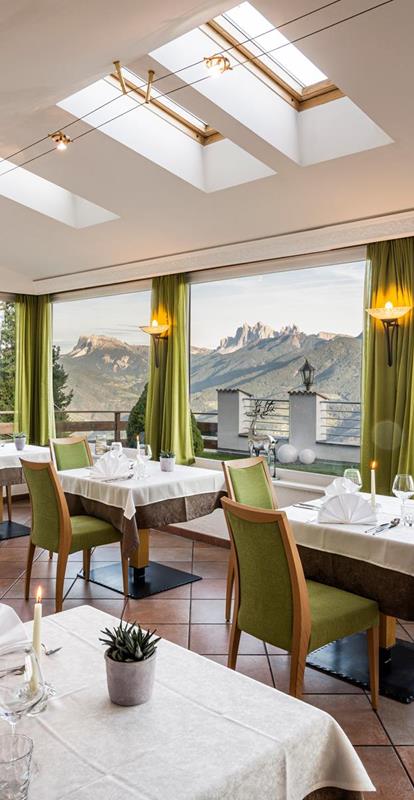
{"x":60,"y":139}
{"x":217,"y":64}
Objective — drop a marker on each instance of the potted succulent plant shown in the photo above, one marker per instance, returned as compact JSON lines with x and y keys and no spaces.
{"x":167,"y":461}
{"x":19,"y":441}
{"x":130,"y":663}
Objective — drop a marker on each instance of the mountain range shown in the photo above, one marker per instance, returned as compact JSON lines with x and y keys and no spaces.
{"x":108,"y":374}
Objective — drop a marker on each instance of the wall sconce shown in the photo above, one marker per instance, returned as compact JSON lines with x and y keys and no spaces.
{"x":307,"y":372}
{"x":156,"y":331}
{"x":389,"y":316}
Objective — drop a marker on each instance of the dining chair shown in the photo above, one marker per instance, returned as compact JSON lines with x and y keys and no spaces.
{"x":274,"y":602}
{"x":71,"y":452}
{"x":55,"y":530}
{"x":248,"y":481}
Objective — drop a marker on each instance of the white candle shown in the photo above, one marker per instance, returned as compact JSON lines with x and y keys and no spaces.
{"x":37,"y":623}
{"x":373,"y":466}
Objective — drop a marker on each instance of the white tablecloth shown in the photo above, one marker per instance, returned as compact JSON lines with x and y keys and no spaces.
{"x":207,"y":734}
{"x":10,"y":457}
{"x":392,"y":549}
{"x":159,"y":486}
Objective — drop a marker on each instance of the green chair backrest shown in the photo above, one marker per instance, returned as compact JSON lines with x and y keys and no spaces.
{"x":45,"y":508}
{"x":250,"y":486}
{"x":266,"y":603}
{"x":71,"y":456}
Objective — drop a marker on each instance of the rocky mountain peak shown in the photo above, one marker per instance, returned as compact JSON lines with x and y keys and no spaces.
{"x":251,"y":334}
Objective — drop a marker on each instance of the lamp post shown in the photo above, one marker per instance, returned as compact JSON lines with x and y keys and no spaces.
{"x":307,"y":372}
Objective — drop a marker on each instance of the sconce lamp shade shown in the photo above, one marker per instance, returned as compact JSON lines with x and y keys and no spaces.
{"x":389,"y":316}
{"x":156,"y":331}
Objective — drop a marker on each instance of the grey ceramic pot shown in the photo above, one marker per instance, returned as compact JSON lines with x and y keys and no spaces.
{"x":130,"y":683}
{"x":20,"y":442}
{"x":167,"y":464}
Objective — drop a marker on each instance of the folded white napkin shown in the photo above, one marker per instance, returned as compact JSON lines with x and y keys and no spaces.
{"x":341,"y":486}
{"x":12,"y":629}
{"x":111,"y":465}
{"x":347,"y":507}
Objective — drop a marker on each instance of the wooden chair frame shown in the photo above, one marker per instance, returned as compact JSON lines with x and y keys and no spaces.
{"x":75,"y":439}
{"x":302,"y":624}
{"x":242,"y":463}
{"x":65,"y":538}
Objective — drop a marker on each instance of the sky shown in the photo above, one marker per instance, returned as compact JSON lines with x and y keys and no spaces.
{"x":317,"y":299}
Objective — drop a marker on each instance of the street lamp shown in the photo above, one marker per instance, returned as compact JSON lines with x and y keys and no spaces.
{"x":307,"y":372}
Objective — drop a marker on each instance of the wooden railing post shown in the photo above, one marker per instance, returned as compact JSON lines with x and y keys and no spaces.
{"x":117,"y":426}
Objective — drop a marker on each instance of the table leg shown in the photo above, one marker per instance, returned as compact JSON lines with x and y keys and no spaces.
{"x":9,"y":502}
{"x":1,"y":505}
{"x":140,"y":559}
{"x":387,"y":631}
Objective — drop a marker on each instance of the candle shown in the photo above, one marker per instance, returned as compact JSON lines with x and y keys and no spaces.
{"x":37,"y":623}
{"x":373,"y":467}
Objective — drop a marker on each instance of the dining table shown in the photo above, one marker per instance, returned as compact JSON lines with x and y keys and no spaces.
{"x":11,"y":474}
{"x":371,"y":562}
{"x":134,"y":506}
{"x":207,"y":732}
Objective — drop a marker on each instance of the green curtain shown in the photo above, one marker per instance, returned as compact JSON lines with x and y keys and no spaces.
{"x":168,"y":420}
{"x":34,"y":413}
{"x":388,"y":392}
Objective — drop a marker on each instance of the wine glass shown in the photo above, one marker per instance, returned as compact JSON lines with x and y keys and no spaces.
{"x":145,"y":451}
{"x":354,"y":475}
{"x":22,"y":688}
{"x":403,"y":488}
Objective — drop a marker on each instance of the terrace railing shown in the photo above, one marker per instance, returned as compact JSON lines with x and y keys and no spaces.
{"x":339,"y":422}
{"x":113,"y":423}
{"x":270,"y":416}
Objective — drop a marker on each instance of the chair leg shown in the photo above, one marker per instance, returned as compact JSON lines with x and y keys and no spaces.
{"x":297,"y":669}
{"x":60,"y":577}
{"x":229,"y":587}
{"x":233,"y":645}
{"x":373,"y":657}
{"x":29,"y":563}
{"x":125,"y":573}
{"x":9,"y":502}
{"x":86,"y":563}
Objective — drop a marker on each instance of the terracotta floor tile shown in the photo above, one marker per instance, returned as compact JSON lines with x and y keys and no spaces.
{"x":398,"y":720}
{"x":403,"y":633}
{"x":210,"y":569}
{"x":213,"y":640}
{"x":409,"y":628}
{"x":209,"y":589}
{"x":113,"y":606}
{"x":48,"y":588}
{"x":387,"y":774}
{"x":156,"y":610}
{"x":171,"y":553}
{"x":5,"y":584}
{"x":355,"y":716}
{"x":10,"y":570}
{"x":275,"y":651}
{"x":25,"y":609}
{"x":47,"y":569}
{"x":173,"y":633}
{"x":207,"y":610}
{"x":210,"y":553}
{"x":18,"y":541}
{"x":159,"y":539}
{"x":256,"y":667}
{"x":314,"y":683}
{"x":407,"y":757}
{"x":184,"y":566}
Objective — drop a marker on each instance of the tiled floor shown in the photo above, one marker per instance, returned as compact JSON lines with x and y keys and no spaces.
{"x":192,"y":616}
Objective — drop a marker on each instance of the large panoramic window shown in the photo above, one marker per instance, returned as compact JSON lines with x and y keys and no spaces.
{"x":256,"y":337}
{"x":7,"y":366}
{"x":100,"y":358}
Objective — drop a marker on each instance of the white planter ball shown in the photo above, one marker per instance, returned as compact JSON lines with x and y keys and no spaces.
{"x":287,"y":454}
{"x":307,"y":456}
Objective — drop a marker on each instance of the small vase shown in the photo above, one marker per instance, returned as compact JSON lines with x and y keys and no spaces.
{"x":167,"y":464}
{"x":130,"y":683}
{"x":20,"y":442}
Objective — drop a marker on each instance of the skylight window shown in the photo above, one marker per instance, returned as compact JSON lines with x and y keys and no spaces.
{"x":269,"y":47}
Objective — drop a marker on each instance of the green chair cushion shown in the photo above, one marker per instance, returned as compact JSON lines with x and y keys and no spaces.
{"x":335,"y":614}
{"x":250,"y":486}
{"x":91,"y":532}
{"x":71,"y":456}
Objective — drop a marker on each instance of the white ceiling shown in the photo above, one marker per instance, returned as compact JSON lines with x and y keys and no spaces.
{"x":50,"y":50}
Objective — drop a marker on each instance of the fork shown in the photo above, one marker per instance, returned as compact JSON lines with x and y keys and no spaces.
{"x":51,"y":651}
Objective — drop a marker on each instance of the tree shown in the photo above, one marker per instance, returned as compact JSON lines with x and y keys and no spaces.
{"x":62,"y":396}
{"x":136,"y":424}
{"x":7,"y":356}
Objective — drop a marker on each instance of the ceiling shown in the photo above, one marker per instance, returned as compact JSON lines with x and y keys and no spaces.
{"x":163,"y":223}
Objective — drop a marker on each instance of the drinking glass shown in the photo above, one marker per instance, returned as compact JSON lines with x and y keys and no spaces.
{"x":100,"y":444}
{"x":22,"y":688}
{"x":15,"y":759}
{"x":354,"y":475}
{"x":116,"y":447}
{"x":145,"y":451}
{"x":403,"y":488}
